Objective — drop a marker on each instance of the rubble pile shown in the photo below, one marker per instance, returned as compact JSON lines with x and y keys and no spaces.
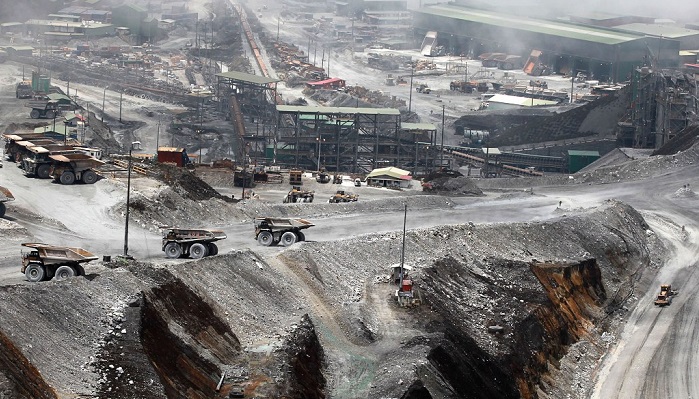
{"x":451,"y":183}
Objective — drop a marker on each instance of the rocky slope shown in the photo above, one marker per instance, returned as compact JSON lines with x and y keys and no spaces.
{"x":320,"y":319}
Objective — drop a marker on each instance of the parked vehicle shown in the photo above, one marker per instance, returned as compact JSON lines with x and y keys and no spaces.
{"x":24,"y":89}
{"x":37,"y":161}
{"x":44,"y":109}
{"x":69,"y":168}
{"x":272,"y":231}
{"x":45,"y":262}
{"x":195,"y":243}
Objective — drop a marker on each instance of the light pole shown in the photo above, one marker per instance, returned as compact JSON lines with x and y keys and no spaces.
{"x":157,"y":136}
{"x":104,"y":95}
{"x":136,"y":145}
{"x":121,"y":97}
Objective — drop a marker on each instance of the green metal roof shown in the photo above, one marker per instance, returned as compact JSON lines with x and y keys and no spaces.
{"x":336,"y":110}
{"x":664,"y":30}
{"x":246,"y":77}
{"x":417,"y":126}
{"x":581,"y":153}
{"x":561,"y":29}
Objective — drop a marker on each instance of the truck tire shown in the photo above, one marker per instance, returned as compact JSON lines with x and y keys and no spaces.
{"x":213,"y":249}
{"x":42,"y":172}
{"x":265,"y":238}
{"x":35,"y":114}
{"x":67,"y":178}
{"x":301,"y":236}
{"x":3,"y":209}
{"x":50,"y":114}
{"x":64,"y":272}
{"x":79,"y":270}
{"x":288,"y":238}
{"x":89,"y":177}
{"x":197,"y":250}
{"x":34,"y":272}
{"x":173,"y":250}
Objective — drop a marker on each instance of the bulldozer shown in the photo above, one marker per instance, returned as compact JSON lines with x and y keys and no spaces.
{"x":297,"y":195}
{"x":342,"y":196}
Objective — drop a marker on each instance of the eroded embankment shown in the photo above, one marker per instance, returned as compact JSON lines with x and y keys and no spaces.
{"x":503,"y":302}
{"x":146,"y":332}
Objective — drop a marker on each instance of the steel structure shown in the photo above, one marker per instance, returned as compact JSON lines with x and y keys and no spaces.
{"x":354,"y":140}
{"x":248,"y":101}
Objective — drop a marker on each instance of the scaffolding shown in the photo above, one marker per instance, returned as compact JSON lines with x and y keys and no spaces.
{"x":345,"y":139}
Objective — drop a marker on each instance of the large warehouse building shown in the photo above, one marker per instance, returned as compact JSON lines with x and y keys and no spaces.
{"x":607,"y":54}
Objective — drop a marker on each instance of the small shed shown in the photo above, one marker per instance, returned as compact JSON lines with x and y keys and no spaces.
{"x":389,"y":177}
{"x":579,"y":159}
{"x":173,"y":155}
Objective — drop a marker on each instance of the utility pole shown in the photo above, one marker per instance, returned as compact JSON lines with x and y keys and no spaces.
{"x":410,"y":95}
{"x":279,"y":17}
{"x":441,"y":161}
{"x":121,"y":97}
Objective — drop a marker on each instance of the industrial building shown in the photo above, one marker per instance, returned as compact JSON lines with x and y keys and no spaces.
{"x":607,"y":54}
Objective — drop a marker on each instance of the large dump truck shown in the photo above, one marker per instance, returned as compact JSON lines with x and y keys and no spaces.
{"x":272,"y":231}
{"x":665,"y":296}
{"x":44,"y":109}
{"x":69,"y":168}
{"x":45,"y":262}
{"x":195,"y":243}
{"x":12,"y":140}
{"x":37,"y":161}
{"x":20,"y":149}
{"x":5,"y":196}
{"x":24,"y":89}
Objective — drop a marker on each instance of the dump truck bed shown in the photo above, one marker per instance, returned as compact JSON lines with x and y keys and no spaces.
{"x":57,"y":254}
{"x":24,"y":136}
{"x":178,"y":234}
{"x":79,"y":159}
{"x":6,"y":195}
{"x":284,"y":223}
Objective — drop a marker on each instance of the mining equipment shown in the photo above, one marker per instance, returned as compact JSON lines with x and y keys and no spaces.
{"x":38,"y":163}
{"x":406,"y":295}
{"x":45,"y":261}
{"x":272,"y":231}
{"x":342,"y":196}
{"x":69,"y":168}
{"x":44,"y":109}
{"x":195,"y":243}
{"x":295,"y":177}
{"x":463,"y":86}
{"x":18,"y":150}
{"x":11,"y":141}
{"x":422,"y":88}
{"x":24,"y":89}
{"x":243,"y":178}
{"x":296,"y":194}
{"x":323,"y":177}
{"x":5,"y":196}
{"x":665,"y":296}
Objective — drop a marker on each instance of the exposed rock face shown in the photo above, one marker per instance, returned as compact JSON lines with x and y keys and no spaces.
{"x":306,"y":363}
{"x":321,"y":319}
